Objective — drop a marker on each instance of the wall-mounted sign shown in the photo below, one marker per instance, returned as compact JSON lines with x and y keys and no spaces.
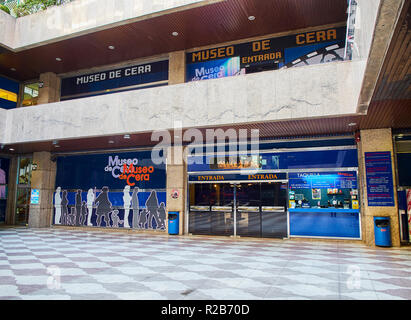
{"x":9,"y":91}
{"x":117,"y":190}
{"x":175,"y":194}
{"x":35,"y":196}
{"x":380,"y":187}
{"x":105,"y":81}
{"x":282,"y":52}
{"x":237,"y":177}
{"x":323,"y":180}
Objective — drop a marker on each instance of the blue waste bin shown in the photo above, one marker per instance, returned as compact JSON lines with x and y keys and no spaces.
{"x":173,"y":222}
{"x":382,"y":231}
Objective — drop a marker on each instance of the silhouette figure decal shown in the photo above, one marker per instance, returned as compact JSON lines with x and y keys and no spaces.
{"x":97,"y":207}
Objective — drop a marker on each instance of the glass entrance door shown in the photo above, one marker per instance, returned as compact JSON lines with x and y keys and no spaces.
{"x":23,"y":191}
{"x":260,"y":209}
{"x":211,"y":209}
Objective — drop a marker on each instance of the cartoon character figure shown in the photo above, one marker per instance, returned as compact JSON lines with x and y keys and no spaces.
{"x":64,"y":209}
{"x":83,"y":215}
{"x":162,"y":216}
{"x":152,"y":207}
{"x":127,"y":202}
{"x":57,"y":206}
{"x":90,"y":201}
{"x":77,"y":204}
{"x":115,"y":218}
{"x":103,"y":207}
{"x":136,"y":209}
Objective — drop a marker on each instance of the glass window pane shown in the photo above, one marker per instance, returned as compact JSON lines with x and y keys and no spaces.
{"x":30,"y":94}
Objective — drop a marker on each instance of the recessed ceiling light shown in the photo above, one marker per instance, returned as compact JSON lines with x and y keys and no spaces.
{"x":111,"y":47}
{"x":56,"y":146}
{"x":11,"y":149}
{"x":13,"y":69}
{"x":58,"y":59}
{"x":251,"y":18}
{"x":126,"y":136}
{"x":175,"y":33}
{"x":352,"y":124}
{"x":110,"y":141}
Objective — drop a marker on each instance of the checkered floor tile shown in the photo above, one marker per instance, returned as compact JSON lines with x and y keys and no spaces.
{"x":78,"y":264}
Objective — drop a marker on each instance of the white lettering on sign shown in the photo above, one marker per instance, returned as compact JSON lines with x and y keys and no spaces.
{"x":115,"y":165}
{"x":114,"y":74}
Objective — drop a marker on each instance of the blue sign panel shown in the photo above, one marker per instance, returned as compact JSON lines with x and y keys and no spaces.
{"x":9,"y":91}
{"x":339,"y":180}
{"x":35,"y":196}
{"x":380,"y":186}
{"x":325,"y":223}
{"x":286,"y":160}
{"x":117,"y":78}
{"x":111,"y":190}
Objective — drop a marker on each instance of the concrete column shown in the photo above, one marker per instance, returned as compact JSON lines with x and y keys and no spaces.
{"x":43,"y":179}
{"x":177,"y":67}
{"x":376,"y":140}
{"x":50,"y":92}
{"x":176,"y":183}
{"x":11,"y":192}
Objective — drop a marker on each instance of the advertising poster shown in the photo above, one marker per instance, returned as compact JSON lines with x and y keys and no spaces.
{"x":213,"y":69}
{"x":380,"y":188}
{"x":113,"y":190}
{"x":268,"y":54}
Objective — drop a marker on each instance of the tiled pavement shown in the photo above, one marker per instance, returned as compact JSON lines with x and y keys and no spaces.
{"x":79,"y":264}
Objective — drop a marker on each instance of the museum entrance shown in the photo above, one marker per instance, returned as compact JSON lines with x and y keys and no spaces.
{"x":250,"y":209}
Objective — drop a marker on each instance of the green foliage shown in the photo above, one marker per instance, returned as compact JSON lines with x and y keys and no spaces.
{"x":4,"y":8}
{"x":32,"y":6}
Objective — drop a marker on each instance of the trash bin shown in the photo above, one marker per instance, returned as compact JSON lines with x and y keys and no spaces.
{"x":382,"y":231}
{"x":173,"y":222}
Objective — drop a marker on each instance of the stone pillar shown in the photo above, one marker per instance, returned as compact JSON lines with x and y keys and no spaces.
{"x":177,"y":67}
{"x":176,"y":182}
{"x":50,"y":92}
{"x":43,"y":179}
{"x":11,"y":192}
{"x":377,"y":140}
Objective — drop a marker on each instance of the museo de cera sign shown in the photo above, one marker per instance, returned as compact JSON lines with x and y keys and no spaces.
{"x":105,"y":81}
{"x":118,"y":190}
{"x":273,"y":53}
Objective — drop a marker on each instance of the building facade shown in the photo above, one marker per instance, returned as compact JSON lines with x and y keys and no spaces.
{"x":259,"y":119}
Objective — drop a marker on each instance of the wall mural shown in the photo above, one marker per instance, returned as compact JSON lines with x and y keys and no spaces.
{"x":140,"y":204}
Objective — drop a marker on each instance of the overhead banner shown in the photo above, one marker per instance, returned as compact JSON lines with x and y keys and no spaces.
{"x":277,"y":161}
{"x":268,"y":54}
{"x":380,"y":185}
{"x":117,"y":190}
{"x":237,"y":177}
{"x":115,"y":78}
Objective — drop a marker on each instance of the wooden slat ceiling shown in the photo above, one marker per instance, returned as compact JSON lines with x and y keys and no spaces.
{"x":212,"y":24}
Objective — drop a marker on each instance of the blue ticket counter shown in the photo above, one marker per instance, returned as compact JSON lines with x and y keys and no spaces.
{"x":325,"y":222}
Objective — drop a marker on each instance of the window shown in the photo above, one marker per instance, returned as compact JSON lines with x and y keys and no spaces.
{"x":30,"y":94}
